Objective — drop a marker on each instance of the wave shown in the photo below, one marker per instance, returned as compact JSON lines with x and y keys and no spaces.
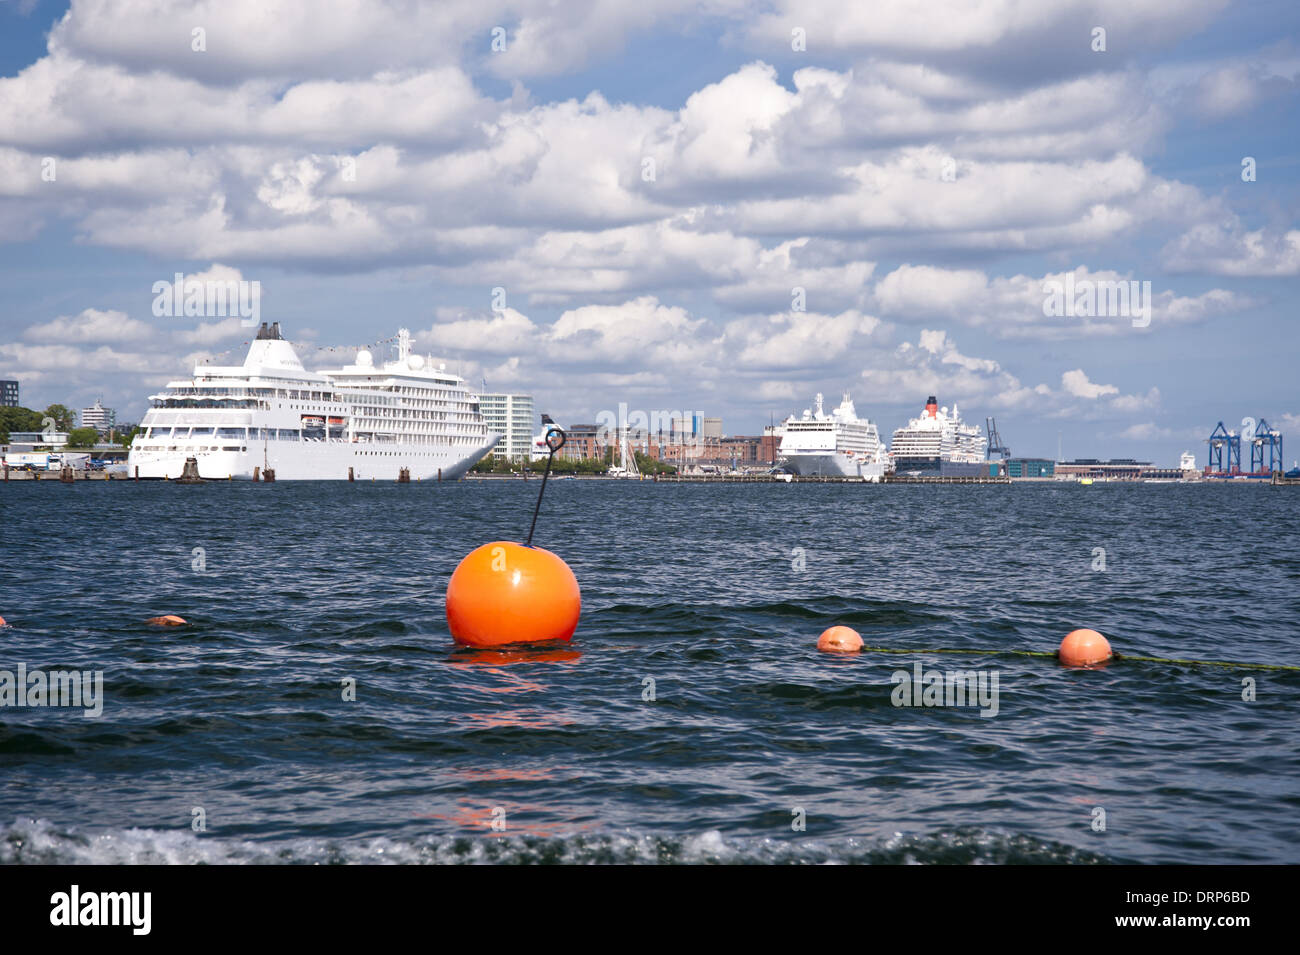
{"x":37,"y":842}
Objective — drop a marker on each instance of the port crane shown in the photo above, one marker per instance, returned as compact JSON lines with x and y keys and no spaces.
{"x":1221,"y":440}
{"x":995,"y":445}
{"x":1266,"y":439}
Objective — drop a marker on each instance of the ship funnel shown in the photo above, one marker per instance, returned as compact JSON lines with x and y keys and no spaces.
{"x":931,"y":406}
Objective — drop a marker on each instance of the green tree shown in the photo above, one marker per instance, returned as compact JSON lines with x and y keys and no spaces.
{"x":18,"y":419}
{"x":82,"y":437}
{"x":648,"y":465}
{"x":64,"y":417}
{"x":125,"y":439}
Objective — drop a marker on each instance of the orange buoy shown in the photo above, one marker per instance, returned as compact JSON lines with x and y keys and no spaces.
{"x":840,"y":640}
{"x":167,"y":620}
{"x":1084,"y":648}
{"x":505,"y":592}
{"x":3,"y":623}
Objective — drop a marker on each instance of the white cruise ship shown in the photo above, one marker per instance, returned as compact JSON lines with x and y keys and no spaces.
{"x":362,"y":421}
{"x":839,"y":444}
{"x":939,"y":444}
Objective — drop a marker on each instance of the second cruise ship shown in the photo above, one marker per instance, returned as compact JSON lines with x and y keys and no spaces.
{"x":938,"y":444}
{"x":359,"y":422}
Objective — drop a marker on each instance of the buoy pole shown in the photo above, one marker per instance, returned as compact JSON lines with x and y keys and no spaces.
{"x":554,"y":441}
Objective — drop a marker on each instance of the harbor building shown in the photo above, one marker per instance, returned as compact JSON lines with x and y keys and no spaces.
{"x":1121,"y":469}
{"x":1023,"y":468}
{"x":98,"y":417}
{"x":1114,"y":469}
{"x":582,"y":442}
{"x":9,"y":393}
{"x":743,"y":450}
{"x":511,"y":416}
{"x":30,"y":440}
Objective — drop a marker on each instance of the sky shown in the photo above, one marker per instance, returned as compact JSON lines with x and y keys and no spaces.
{"x":722,"y":207}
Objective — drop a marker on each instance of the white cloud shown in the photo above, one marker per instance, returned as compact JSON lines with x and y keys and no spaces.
{"x":1146,"y":431}
{"x":507,"y":332}
{"x":90,"y":325}
{"x":1013,"y":306}
{"x":1231,"y":250}
{"x":1077,"y":383}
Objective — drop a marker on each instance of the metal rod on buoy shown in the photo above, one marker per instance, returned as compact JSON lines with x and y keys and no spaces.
{"x":554,"y":441}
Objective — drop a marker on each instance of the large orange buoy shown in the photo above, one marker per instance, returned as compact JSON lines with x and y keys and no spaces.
{"x":505,"y":592}
{"x":1084,"y":648}
{"x":167,"y":620}
{"x":2,"y":622}
{"x":840,"y":640}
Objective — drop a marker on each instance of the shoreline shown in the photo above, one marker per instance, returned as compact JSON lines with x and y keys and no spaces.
{"x":55,"y":477}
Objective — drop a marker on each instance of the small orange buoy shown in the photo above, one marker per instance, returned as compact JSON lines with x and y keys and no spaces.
{"x":505,"y":592}
{"x":1084,"y":648}
{"x":167,"y":620}
{"x":3,"y":623}
{"x":840,"y":640}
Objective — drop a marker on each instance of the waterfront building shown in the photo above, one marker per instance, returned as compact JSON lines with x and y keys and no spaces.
{"x":26,"y":440}
{"x":582,"y":442}
{"x":1028,"y":468}
{"x":1119,"y":469}
{"x":98,"y":417}
{"x":9,"y":393}
{"x":511,"y":416}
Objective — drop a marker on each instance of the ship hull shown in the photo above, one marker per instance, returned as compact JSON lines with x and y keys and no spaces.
{"x":313,"y":461}
{"x":833,"y":464}
{"x":937,"y":467}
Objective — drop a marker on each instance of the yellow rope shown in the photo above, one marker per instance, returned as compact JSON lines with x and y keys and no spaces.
{"x":1117,"y":656}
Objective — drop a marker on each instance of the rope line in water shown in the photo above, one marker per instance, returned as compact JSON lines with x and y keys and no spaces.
{"x":1116,"y":657}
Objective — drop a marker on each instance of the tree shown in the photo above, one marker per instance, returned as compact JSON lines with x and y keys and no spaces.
{"x":64,"y":417}
{"x":82,"y":437}
{"x":18,"y":419}
{"x":648,"y":465}
{"x":125,"y":439}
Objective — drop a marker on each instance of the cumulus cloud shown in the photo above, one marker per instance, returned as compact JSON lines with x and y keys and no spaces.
{"x":1233,"y":250}
{"x":935,"y":365}
{"x":90,"y":325}
{"x":1014,"y":306}
{"x":1076,"y":383}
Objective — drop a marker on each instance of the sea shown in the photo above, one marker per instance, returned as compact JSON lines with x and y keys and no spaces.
{"x":315,"y":709}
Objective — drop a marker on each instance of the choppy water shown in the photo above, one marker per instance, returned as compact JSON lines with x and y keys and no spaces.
{"x":696,"y":586}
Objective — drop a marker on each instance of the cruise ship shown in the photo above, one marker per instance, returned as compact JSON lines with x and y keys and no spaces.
{"x":939,"y":444}
{"x":358,"y":422}
{"x":839,"y":444}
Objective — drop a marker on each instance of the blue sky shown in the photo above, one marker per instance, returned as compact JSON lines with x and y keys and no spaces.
{"x":921,"y":176}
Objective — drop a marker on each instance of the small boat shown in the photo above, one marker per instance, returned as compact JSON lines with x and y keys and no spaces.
{"x":1085,"y":480}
